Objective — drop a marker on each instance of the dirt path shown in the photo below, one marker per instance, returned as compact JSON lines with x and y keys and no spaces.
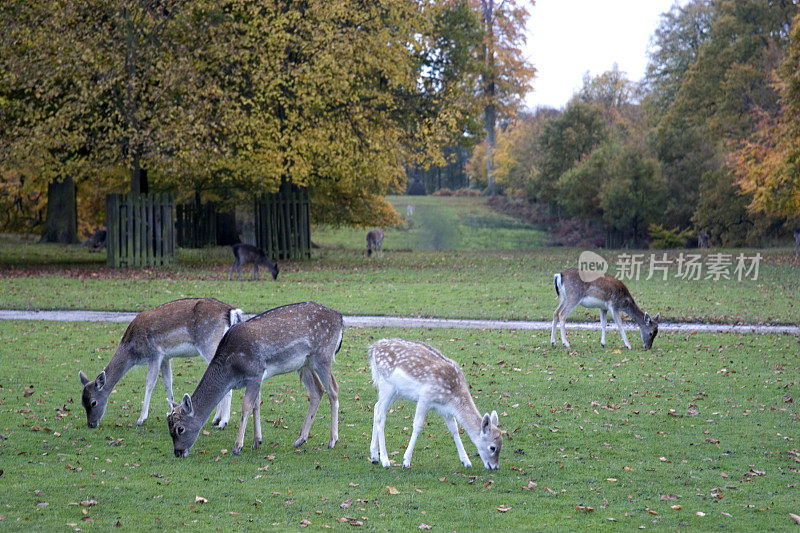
{"x":411,"y":322}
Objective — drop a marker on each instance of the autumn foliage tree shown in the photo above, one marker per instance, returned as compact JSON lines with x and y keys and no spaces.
{"x":226,"y":99}
{"x":506,"y":75}
{"x":767,"y":164}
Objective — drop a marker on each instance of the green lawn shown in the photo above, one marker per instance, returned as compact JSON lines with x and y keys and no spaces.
{"x":499,"y":284}
{"x":599,"y":438}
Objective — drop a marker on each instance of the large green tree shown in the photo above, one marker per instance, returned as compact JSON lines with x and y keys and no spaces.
{"x":223,"y":99}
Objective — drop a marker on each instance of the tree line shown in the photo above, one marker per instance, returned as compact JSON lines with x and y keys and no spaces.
{"x":708,"y":142}
{"x":217,"y":100}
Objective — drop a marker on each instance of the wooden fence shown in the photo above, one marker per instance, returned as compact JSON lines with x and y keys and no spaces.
{"x":140,"y":230}
{"x":283,"y":223}
{"x":196,"y":225}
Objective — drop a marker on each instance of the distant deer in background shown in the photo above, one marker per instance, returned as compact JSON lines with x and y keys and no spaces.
{"x":182,"y":328}
{"x":702,"y":239}
{"x":796,"y":241}
{"x":247,"y":253}
{"x":420,"y":373}
{"x":606,"y":293}
{"x":375,"y":241}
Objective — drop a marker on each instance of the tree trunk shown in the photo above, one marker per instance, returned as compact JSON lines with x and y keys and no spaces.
{"x":139,"y":180}
{"x":61,"y":222}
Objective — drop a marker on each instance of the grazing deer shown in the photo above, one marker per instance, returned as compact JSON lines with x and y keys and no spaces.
{"x":247,"y":253}
{"x":702,"y":239}
{"x":303,"y":337}
{"x":796,"y":241}
{"x":375,"y":241}
{"x":420,"y":373}
{"x":603,"y":292}
{"x":182,"y":328}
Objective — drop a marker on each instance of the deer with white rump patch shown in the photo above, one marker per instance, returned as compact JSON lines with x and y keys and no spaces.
{"x":302,"y":337}
{"x":594,"y":290}
{"x":420,"y":373}
{"x":181,"y":328}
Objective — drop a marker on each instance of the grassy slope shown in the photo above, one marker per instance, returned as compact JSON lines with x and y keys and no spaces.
{"x":703,"y":421}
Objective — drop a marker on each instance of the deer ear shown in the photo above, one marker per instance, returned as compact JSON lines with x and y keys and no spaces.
{"x":657,"y":317}
{"x":187,"y":405}
{"x":485,"y":423}
{"x":83,"y":378}
{"x":494,"y":419}
{"x":101,"y":380}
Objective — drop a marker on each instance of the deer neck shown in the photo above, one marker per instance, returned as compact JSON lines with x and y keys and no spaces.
{"x":469,"y":417}
{"x":636,"y":314}
{"x":214,"y":384}
{"x":117,"y":367}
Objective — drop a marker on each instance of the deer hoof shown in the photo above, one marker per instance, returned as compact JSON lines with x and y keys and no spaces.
{"x":299,"y":442}
{"x":140,"y":422}
{"x":332,"y":443}
{"x":222,"y":425}
{"x":236,"y":450}
{"x":256,"y":444}
{"x":467,"y":464}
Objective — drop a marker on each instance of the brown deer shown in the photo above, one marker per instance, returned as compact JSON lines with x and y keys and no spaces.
{"x":420,"y":373}
{"x":302,"y":337}
{"x":182,"y":328}
{"x":247,"y":253}
{"x":607,"y":293}
{"x":375,"y":241}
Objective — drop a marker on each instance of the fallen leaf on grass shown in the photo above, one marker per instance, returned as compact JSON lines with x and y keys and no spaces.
{"x":425,"y":526}
{"x":676,"y":507}
{"x":584,"y":508}
{"x":795,"y":517}
{"x":700,"y":513}
{"x":304,"y":523}
{"x":200,"y":499}
{"x":530,"y":486}
{"x":504,"y":508}
{"x":89,"y":503}
{"x":391,"y":490}
{"x":346,"y":504}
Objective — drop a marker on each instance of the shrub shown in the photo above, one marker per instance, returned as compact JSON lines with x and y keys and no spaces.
{"x":668,"y":238}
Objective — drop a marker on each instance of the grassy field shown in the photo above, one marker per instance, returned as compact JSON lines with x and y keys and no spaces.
{"x":698,"y":434}
{"x":499,"y":284}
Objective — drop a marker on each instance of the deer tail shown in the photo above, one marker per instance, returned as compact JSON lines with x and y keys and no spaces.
{"x":557,"y":282}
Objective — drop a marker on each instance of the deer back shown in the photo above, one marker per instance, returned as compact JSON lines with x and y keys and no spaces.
{"x":416,"y":369}
{"x":280,"y":340}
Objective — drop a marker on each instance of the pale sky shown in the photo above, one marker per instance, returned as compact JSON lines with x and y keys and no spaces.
{"x":567,"y":38}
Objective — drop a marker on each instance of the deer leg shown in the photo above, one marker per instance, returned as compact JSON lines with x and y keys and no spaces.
{"x":166,"y":377}
{"x":326,"y":379}
{"x":377,"y":449}
{"x":230,"y":278}
{"x":251,"y":396}
{"x":223,"y":414}
{"x":314,"y":387}
{"x":603,"y":317}
{"x":618,"y":322}
{"x":257,"y":422}
{"x":255,"y":271}
{"x":555,"y":325}
{"x":563,"y":313}
{"x":419,"y":421}
{"x":152,"y":377}
{"x":462,"y":453}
